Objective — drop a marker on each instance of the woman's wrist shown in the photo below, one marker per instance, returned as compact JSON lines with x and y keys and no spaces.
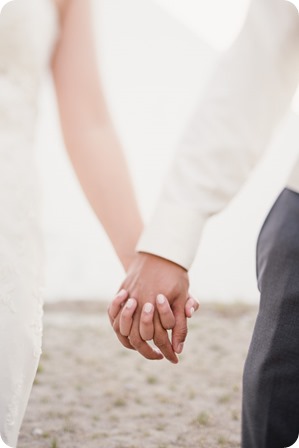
{"x":126,"y":260}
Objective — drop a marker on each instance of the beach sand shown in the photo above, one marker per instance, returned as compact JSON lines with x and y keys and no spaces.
{"x":91,"y":392}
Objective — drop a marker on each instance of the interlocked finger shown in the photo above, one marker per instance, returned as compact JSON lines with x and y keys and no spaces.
{"x":117,"y":304}
{"x":126,"y":317}
{"x":165,"y":313}
{"x":162,"y":341}
{"x":146,"y":326}
{"x":191,"y":306}
{"x":140,"y":345}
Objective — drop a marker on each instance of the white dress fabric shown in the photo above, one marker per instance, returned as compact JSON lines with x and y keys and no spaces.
{"x":28,"y":30}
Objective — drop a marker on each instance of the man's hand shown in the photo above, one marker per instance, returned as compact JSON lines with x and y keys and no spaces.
{"x":150,"y":281}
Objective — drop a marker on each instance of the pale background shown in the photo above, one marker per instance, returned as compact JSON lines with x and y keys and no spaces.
{"x":155,"y":56}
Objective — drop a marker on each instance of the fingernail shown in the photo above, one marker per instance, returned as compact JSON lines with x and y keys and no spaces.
{"x":148,"y":308}
{"x":130,"y":303}
{"x":180,"y":348}
{"x":160,"y":299}
{"x":192,"y":311}
{"x":121,"y":293}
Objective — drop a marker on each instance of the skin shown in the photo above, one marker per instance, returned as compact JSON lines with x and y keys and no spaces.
{"x":138,"y":313}
{"x":100,"y":165}
{"x":89,"y":135}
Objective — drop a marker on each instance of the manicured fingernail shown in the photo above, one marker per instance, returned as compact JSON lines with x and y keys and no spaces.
{"x":130,"y":303}
{"x":192,"y":310}
{"x":148,"y":308}
{"x":160,"y":299}
{"x":180,"y":348}
{"x":121,"y":293}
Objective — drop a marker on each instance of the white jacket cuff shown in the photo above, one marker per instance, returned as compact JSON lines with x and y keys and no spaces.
{"x":173,"y":233}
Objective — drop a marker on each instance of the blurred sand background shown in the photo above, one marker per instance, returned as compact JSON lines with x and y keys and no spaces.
{"x":91,"y":392}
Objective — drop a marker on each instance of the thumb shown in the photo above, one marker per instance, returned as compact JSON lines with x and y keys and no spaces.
{"x":180,"y":330}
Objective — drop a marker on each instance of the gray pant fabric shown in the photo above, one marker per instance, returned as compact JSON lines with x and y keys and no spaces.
{"x":270,"y":413}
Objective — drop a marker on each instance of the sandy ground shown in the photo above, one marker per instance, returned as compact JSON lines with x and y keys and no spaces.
{"x":91,"y":392}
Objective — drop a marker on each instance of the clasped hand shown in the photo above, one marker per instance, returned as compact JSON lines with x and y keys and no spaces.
{"x":153,"y":299}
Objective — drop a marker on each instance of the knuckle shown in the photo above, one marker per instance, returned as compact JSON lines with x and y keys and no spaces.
{"x":165,"y":311}
{"x":146,"y":329}
{"x":182,"y":333}
{"x":146,"y":321}
{"x":123,"y":330}
{"x":169,"y":319}
{"x":126,"y":314}
{"x":146,"y":337}
{"x":110,"y":313}
{"x":139,"y":345}
{"x":160,"y":341}
{"x":136,"y":342}
{"x":116,"y":326}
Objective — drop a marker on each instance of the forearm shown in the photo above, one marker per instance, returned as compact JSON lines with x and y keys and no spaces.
{"x":246,"y":98}
{"x":101,"y":168}
{"x":90,"y":139}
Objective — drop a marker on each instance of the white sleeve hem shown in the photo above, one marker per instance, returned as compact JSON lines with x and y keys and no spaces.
{"x":173,"y":233}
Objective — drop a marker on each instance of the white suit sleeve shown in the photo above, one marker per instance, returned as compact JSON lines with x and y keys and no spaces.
{"x":247,"y":96}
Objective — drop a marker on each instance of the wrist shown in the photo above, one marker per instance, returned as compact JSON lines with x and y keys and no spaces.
{"x":126,"y":260}
{"x":160,"y":259}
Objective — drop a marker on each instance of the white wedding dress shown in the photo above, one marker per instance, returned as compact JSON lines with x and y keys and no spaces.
{"x":28,"y":30}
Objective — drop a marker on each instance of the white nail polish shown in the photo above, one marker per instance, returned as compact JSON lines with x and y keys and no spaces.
{"x":122,"y":293}
{"x":160,"y":299}
{"x":148,"y":308}
{"x":130,"y":303}
{"x":192,"y":310}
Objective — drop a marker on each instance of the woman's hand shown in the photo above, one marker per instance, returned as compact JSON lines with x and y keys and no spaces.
{"x":124,"y":307}
{"x":121,"y":313}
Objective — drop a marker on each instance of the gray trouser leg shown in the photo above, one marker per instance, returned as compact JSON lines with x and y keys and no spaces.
{"x":270,"y":414}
